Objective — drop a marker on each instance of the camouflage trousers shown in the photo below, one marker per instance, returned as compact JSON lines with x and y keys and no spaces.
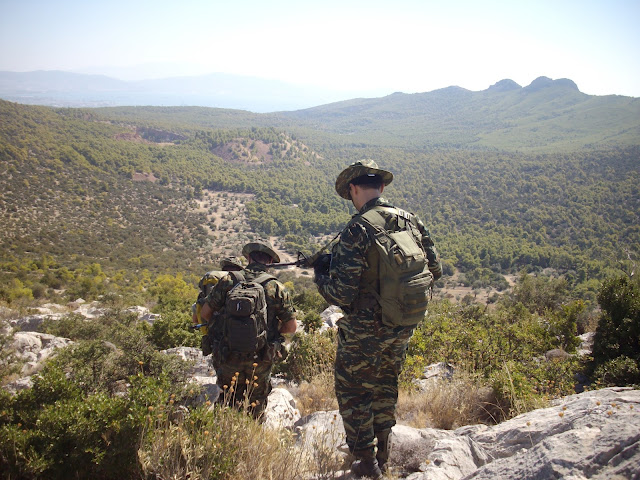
{"x":245,"y":384}
{"x":369,"y":359}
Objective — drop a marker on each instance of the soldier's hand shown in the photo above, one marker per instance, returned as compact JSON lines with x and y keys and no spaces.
{"x":322,"y":264}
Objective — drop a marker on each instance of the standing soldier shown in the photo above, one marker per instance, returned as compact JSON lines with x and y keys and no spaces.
{"x":371,"y":350}
{"x":244,"y":373}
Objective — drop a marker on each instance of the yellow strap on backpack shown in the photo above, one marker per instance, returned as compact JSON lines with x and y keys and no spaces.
{"x":207,"y":282}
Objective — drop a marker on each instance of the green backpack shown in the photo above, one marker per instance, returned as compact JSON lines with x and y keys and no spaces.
{"x":405,"y":279}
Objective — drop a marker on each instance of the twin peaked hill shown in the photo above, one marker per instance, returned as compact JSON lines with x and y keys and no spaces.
{"x":546,"y":115}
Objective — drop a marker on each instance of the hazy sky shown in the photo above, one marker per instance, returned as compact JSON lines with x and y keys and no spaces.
{"x":395,"y":45}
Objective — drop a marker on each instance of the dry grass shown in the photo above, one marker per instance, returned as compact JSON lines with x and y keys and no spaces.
{"x":316,"y":395}
{"x":223,"y":444}
{"x":447,"y":404}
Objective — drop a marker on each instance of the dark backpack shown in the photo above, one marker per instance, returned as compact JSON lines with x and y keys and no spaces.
{"x":244,"y":317}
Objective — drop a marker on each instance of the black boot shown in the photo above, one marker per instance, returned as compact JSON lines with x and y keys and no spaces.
{"x":366,"y":465}
{"x":384,"y":448}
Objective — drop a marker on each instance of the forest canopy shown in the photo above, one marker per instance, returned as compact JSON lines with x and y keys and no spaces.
{"x":69,"y":190}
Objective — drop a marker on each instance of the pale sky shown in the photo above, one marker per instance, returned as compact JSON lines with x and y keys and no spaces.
{"x":396,"y":45}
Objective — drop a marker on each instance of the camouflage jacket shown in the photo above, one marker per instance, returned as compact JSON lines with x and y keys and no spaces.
{"x":279,"y":305}
{"x":351,"y":270}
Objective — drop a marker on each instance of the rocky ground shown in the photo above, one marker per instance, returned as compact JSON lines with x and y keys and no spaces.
{"x":595,"y":434}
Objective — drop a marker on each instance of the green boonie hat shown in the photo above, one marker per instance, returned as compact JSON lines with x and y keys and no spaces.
{"x":230,"y":262}
{"x":358,"y":169}
{"x":261,"y":246}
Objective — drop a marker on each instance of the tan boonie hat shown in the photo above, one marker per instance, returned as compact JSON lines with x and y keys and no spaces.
{"x":230,"y":262}
{"x":358,"y":169}
{"x":261,"y":246}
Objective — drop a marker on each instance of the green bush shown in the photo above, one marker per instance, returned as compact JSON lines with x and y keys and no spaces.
{"x":56,"y":432}
{"x":15,"y":291}
{"x":310,"y":301}
{"x":618,"y":371}
{"x":505,"y":346}
{"x":616,"y":344}
{"x":478,"y":339}
{"x":71,"y":424}
{"x":563,"y":325}
{"x":310,"y":354}
{"x":312,"y":322}
{"x":172,"y":330}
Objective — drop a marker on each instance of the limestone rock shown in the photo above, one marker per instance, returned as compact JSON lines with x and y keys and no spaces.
{"x":281,"y":411}
{"x":590,"y":435}
{"x":330,"y":317}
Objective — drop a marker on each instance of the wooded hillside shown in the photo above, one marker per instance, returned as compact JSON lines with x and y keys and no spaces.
{"x":71,"y":185}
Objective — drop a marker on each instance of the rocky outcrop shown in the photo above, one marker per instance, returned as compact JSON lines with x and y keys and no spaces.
{"x":53,"y":311}
{"x":330,"y":317}
{"x":31,"y":349}
{"x":594,"y":434}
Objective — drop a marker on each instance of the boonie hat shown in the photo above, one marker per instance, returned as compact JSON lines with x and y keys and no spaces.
{"x":230,"y":262}
{"x":358,"y":169}
{"x":263,"y":246}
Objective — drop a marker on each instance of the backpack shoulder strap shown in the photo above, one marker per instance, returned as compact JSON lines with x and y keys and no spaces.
{"x":375,"y":218}
{"x":404,"y":219}
{"x":264,"y":278}
{"x":237,"y":277}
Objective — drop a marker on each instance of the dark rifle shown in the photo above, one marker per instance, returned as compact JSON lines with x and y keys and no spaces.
{"x":303,"y":261}
{"x":308,"y":262}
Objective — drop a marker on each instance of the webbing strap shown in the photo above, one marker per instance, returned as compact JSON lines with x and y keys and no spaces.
{"x":264,"y":278}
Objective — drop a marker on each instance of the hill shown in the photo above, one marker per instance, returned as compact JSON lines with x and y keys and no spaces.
{"x":546,"y":115}
{"x":171,"y":189}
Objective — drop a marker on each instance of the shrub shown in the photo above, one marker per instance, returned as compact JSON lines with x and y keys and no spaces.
{"x":447,"y":404}
{"x":56,"y":432}
{"x":619,"y":371}
{"x":310,"y":354}
{"x":109,"y":349}
{"x":310,"y":301}
{"x":617,"y":339}
{"x":312,"y":322}
{"x":68,"y":425}
{"x":172,"y":330}
{"x":539,"y":293}
{"x":15,"y":291}
{"x":318,"y":393}
{"x":564,"y":326}
{"x":217,"y":443}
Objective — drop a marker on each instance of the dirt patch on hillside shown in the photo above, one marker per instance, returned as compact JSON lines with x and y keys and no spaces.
{"x":455,"y":291}
{"x":144,"y":177}
{"x":243,"y":150}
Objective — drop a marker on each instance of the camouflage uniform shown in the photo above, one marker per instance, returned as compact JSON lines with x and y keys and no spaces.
{"x":279,"y":310}
{"x":370,"y":354}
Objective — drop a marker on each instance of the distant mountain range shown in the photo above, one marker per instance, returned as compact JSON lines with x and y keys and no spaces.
{"x":547,"y":114}
{"x":550,"y":114}
{"x":66,"y":89}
